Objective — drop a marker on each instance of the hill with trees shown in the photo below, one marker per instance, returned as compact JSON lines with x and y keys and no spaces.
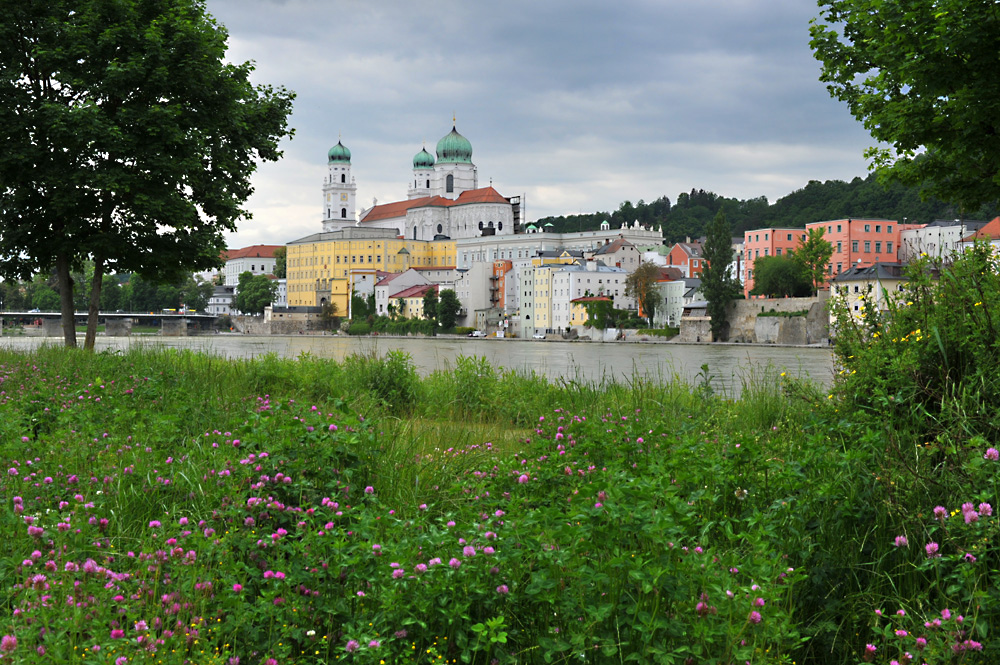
{"x":817,"y":201}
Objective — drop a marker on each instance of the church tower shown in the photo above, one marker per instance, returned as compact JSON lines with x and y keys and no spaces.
{"x":423,"y":174}
{"x":339,"y":190}
{"x":454,"y":171}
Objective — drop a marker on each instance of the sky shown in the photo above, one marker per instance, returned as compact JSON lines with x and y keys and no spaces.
{"x":574,"y":105}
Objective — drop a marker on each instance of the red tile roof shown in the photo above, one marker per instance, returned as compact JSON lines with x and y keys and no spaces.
{"x":592,"y":299}
{"x":415,"y":291}
{"x":988,"y":232}
{"x":399,"y":208}
{"x":253,"y":251}
{"x":483,"y":195}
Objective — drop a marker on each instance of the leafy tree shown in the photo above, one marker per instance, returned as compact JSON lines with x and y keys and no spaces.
{"x":641,"y":285}
{"x":431,"y":303}
{"x":281,"y":263}
{"x":44,"y":297}
{"x":921,"y":76}
{"x":254,"y":293}
{"x":780,"y":277}
{"x":814,"y":255}
{"x":195,"y":293}
{"x":13,"y":296}
{"x":600,"y":313}
{"x":128,"y":141}
{"x":111,"y":293}
{"x":328,"y":316}
{"x":361,"y":307}
{"x":447,"y":308}
{"x":718,"y":283}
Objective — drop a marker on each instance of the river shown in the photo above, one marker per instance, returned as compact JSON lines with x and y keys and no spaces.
{"x":729,"y":365}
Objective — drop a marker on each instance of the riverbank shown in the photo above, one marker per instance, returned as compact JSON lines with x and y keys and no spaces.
{"x":312,"y":511}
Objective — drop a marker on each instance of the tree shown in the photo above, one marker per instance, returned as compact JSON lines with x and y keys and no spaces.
{"x":447,"y":308}
{"x":254,"y":293}
{"x":129,"y":141}
{"x":195,"y":293}
{"x":641,"y":285}
{"x":431,"y":303}
{"x":328,"y":316}
{"x":281,"y":262}
{"x":780,"y":277}
{"x":600,"y":311}
{"x":718,"y":284}
{"x":921,"y":76}
{"x":814,"y":255}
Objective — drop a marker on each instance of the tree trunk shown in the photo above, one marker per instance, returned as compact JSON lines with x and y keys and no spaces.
{"x":96,"y":282}
{"x":65,"y":283}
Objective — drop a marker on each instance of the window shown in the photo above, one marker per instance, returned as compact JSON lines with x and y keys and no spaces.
{"x":888,"y":247}
{"x":888,"y":228}
{"x":829,"y":229}
{"x":868,"y":245}
{"x":343,"y":213}
{"x":765,"y":236}
{"x":428,"y":184}
{"x":840,"y":268}
{"x":449,"y":183}
{"x":343,"y":177}
{"x":499,"y":226}
{"x":868,"y":227}
{"x":878,"y":247}
{"x":439,"y":228}
{"x":777,"y":251}
{"x":756,"y":253}
{"x":854,"y":245}
{"x":838,"y":228}
{"x":855,"y":290}
{"x":789,"y":236}
{"x":839,"y":246}
{"x":480,"y":226}
{"x":756,"y":238}
{"x":766,"y":251}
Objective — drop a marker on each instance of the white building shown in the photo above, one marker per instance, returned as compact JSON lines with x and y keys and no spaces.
{"x":256,"y":259}
{"x":938,"y":240}
{"x":443,"y":197}
{"x":576,"y":281}
{"x":529,"y":244}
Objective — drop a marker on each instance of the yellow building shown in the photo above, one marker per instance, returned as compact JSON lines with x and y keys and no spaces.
{"x":328,"y":267}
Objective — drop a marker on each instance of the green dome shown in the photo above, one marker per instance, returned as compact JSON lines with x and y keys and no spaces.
{"x":423,"y":160}
{"x":454,"y":148}
{"x":339,"y":154}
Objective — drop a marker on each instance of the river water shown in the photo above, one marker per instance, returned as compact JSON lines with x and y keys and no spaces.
{"x":729,"y":365}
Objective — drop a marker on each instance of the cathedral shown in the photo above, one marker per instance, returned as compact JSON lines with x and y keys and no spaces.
{"x":444,"y":199}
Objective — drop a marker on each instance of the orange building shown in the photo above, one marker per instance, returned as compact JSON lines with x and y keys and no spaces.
{"x":688,"y":257}
{"x":861,"y":242}
{"x":498,"y":283}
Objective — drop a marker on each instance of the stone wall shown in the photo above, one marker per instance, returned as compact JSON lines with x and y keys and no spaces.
{"x":745,"y":324}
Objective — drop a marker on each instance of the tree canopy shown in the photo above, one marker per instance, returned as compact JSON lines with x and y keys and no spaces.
{"x":129,"y":140}
{"x":641,"y":285}
{"x":254,"y":293}
{"x":431,"y":303}
{"x":718,"y":284}
{"x":448,"y":306}
{"x":921,"y":76}
{"x":813,"y":255}
{"x":780,"y":277}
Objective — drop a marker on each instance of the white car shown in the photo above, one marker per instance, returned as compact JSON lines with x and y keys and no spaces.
{"x":538,"y":335}
{"x":477,"y":333}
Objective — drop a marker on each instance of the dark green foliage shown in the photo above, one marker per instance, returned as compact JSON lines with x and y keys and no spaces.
{"x":254,"y":293}
{"x":447,"y":308}
{"x":281,"y":262}
{"x":718,"y":284}
{"x":928,"y":89}
{"x":780,"y":277}
{"x":129,"y":141}
{"x":431,"y":304}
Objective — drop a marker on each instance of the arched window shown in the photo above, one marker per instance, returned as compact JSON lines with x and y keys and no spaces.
{"x":440,"y":228}
{"x":449,"y":183}
{"x":480,"y":226}
{"x":343,"y":213}
{"x":499,"y":226}
{"x":343,"y":177}
{"x":414,"y":233}
{"x":428,"y":184}
{"x":491,"y":225}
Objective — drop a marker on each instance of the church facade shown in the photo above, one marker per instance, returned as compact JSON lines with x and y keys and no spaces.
{"x":443,"y":198}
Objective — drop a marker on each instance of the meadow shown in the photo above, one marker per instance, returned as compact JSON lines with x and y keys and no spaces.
{"x":170,"y":507}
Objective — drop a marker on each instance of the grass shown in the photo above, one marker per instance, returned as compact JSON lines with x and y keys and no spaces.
{"x":194,"y":509}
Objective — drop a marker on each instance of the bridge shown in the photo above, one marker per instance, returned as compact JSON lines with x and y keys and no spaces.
{"x":116,"y":324}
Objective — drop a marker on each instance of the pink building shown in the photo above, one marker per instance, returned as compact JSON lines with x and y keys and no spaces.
{"x":861,"y":242}
{"x":766,"y":242}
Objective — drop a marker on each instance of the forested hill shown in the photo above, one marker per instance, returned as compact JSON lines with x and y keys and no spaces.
{"x":817,"y":201}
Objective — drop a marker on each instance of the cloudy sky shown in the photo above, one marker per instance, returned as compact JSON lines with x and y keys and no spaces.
{"x":576,"y":105}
